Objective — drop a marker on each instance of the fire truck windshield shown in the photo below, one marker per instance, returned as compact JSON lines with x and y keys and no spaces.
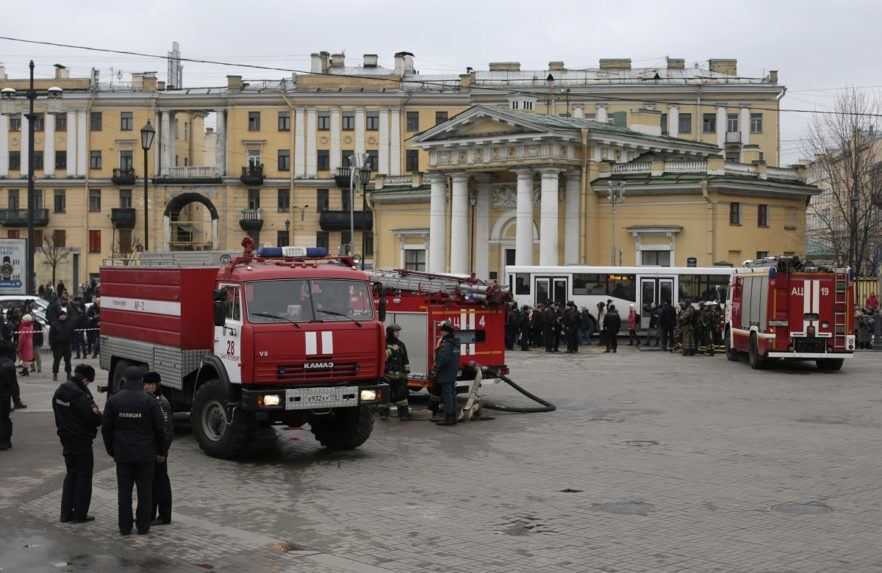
{"x":307,"y":301}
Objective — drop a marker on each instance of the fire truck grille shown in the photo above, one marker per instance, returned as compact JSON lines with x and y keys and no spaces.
{"x":810,"y":345}
{"x":299,"y":373}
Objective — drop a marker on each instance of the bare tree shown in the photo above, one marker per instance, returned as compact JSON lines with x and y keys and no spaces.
{"x":53,"y":255}
{"x":847,"y":166}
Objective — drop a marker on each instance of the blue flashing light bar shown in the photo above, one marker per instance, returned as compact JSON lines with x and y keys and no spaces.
{"x":279,"y":252}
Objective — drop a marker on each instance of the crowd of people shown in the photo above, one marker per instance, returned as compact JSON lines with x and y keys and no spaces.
{"x":867,"y":323}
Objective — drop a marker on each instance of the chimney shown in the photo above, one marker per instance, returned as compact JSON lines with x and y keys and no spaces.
{"x":234,"y":83}
{"x":149,"y":82}
{"x":773,"y":76}
{"x":137,"y":82}
{"x":556,"y":66}
{"x":338,"y":60}
{"x":615,"y":64}
{"x":370,"y":60}
{"x":578,"y":112}
{"x":160,"y":85}
{"x":676,"y":63}
{"x":2,"y":72}
{"x":318,"y":62}
{"x":728,"y":67}
{"x":505,"y":66}
{"x":403,"y":63}
{"x":61,"y":72}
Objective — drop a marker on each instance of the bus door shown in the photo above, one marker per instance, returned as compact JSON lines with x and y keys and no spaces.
{"x":653,"y":292}
{"x":552,"y":290}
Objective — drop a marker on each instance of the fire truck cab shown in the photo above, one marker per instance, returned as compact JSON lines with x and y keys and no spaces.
{"x":276,"y":336}
{"x":784,"y":308}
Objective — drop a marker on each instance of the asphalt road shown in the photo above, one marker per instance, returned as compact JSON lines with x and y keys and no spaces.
{"x":652,"y":462}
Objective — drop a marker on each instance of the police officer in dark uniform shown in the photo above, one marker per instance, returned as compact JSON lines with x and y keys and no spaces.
{"x":549,"y":324}
{"x":162,"y":492}
{"x":133,"y":431}
{"x":446,"y":370}
{"x":397,"y":367}
{"x":77,"y":419}
{"x":8,"y":392}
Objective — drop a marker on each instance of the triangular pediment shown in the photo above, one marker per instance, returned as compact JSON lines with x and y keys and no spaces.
{"x":480,"y":122}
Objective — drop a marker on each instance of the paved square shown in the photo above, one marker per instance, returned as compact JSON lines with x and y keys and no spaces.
{"x":652,"y":462}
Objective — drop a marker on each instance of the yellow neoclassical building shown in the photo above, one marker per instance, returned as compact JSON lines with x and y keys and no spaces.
{"x":695,"y":148}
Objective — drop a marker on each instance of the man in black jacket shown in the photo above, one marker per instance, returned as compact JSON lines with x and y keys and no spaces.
{"x":77,"y":419}
{"x":162,"y":492}
{"x":667,"y":319}
{"x":61,"y":335}
{"x":134,"y":436}
{"x":8,"y":389}
{"x":446,"y":369}
{"x":612,"y":323}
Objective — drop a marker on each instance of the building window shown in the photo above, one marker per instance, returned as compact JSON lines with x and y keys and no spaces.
{"x":95,"y":160}
{"x":126,"y":120}
{"x":284,"y":121}
{"x":39,"y":122}
{"x":38,"y":160}
{"x":415,"y":259}
{"x":709,"y":123}
{"x":282,"y":239}
{"x":60,"y":201}
{"x":373,"y":120}
{"x":125,"y":198}
{"x":321,"y":239}
{"x":15,"y":122}
{"x":96,"y":119}
{"x":345,"y":200}
{"x":13,"y":199}
{"x":254,"y":198}
{"x":284,"y":160}
{"x":664,"y":124}
{"x":756,"y":123}
{"x":13,"y":234}
{"x":367,"y":242}
{"x":346,"y":243}
{"x":38,"y":199}
{"x":655,"y":258}
{"x":412,"y":161}
{"x":283,"y":200}
{"x":323,"y":159}
{"x":59,"y":238}
{"x":324,"y":120}
{"x":126,"y":159}
{"x":253,"y":121}
{"x":254,"y":158}
{"x":413,"y":121}
{"x":762,"y":254}
{"x":734,"y":213}
{"x":732,"y":123}
{"x":762,"y":216}
{"x":61,"y":160}
{"x":348,"y":121}
{"x":322,"y":200}
{"x":60,"y":122}
{"x":94,"y":200}
{"x":440,"y":117}
{"x":124,"y":241}
{"x":347,"y":158}
{"x":94,"y":241}
{"x":373,"y":160}
{"x":685,"y":123}
{"x":14,"y":160}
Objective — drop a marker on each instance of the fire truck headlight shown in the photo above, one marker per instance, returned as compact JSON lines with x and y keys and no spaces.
{"x":368,"y":395}
{"x":271,"y":400}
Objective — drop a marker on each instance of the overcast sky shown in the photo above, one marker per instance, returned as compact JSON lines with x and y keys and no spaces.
{"x":818,"y":47}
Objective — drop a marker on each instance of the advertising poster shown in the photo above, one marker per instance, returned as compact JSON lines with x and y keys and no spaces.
{"x":12,"y":266}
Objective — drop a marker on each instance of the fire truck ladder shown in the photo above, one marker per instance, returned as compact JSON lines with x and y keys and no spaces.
{"x":431,"y":283}
{"x":840,"y":309}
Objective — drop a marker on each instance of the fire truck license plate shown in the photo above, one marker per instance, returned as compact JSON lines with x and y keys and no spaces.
{"x":319,"y":398}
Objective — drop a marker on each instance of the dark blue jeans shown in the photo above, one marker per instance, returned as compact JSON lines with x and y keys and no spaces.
{"x":448,"y":398}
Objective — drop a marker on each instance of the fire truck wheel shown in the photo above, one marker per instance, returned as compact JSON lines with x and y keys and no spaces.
{"x":731,"y":353}
{"x":217,"y":435}
{"x":343,"y":429}
{"x":116,"y":377}
{"x":756,"y":361}
{"x":830,"y":364}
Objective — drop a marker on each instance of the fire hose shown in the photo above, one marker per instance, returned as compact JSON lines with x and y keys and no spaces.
{"x":546,"y":405}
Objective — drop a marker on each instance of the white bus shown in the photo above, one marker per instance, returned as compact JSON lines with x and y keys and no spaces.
{"x":643,"y":287}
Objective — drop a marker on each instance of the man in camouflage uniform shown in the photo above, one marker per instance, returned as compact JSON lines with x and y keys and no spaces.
{"x":706,"y":324}
{"x":686,"y":320}
{"x":397,"y":367}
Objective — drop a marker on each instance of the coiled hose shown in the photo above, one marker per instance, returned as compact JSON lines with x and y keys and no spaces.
{"x":546,"y":405}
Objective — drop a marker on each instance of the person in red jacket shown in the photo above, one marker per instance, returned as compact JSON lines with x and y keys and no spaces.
{"x":872,"y":302}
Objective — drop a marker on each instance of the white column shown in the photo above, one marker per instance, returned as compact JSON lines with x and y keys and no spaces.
{"x":311,"y":159}
{"x":4,"y":145}
{"x":49,"y":143}
{"x":165,"y":140}
{"x":600,"y":114}
{"x":548,"y":218}
{"x":744,"y":125}
{"x":359,"y":132}
{"x":220,"y":151}
{"x":459,"y":224}
{"x":336,"y":127}
{"x":721,"y":127}
{"x":23,"y":153}
{"x":383,"y":166}
{"x":82,"y":143}
{"x":572,"y":217}
{"x":156,"y":148}
{"x":482,"y":230}
{"x":438,"y":223}
{"x":674,"y":121}
{"x":524,"y":229}
{"x":395,"y":142}
{"x":71,"y":144}
{"x":299,"y":142}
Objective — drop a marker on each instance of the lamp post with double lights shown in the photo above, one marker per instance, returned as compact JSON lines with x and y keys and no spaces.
{"x":7,"y":96}
{"x":147,"y":135}
{"x":359,"y":174}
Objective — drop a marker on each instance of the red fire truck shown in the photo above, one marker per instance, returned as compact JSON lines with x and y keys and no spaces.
{"x":419,"y":302}
{"x":781,"y":307}
{"x":274,"y":337}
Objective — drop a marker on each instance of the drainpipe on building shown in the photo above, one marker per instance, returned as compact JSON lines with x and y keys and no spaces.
{"x":712,"y":228}
{"x":583,"y":205}
{"x":84,"y":260}
{"x":778,"y":122}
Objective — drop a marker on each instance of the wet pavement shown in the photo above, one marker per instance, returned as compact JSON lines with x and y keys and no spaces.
{"x":652,"y":462}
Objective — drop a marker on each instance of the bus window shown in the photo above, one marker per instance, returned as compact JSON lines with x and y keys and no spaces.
{"x":690,"y":287}
{"x":584,"y":284}
{"x":717,"y":288}
{"x":623,"y":287}
{"x":522,"y":283}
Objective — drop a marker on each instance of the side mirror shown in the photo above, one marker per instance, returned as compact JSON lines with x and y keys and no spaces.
{"x":220,"y":313}
{"x":382,"y":307}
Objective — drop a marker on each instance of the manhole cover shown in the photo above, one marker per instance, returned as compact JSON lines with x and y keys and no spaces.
{"x":524,"y":525}
{"x":642,"y":443}
{"x":802,"y":508}
{"x":625,"y":507}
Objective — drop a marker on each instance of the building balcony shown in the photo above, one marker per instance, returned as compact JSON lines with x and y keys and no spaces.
{"x":189,"y":175}
{"x":19,"y":217}
{"x":251,"y":220}
{"x":340,"y":220}
{"x":733,"y":137}
{"x":123,"y":176}
{"x":123,"y":218}
{"x":252,"y":175}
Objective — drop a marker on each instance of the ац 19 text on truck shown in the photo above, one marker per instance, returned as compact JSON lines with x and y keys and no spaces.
{"x":266,"y":338}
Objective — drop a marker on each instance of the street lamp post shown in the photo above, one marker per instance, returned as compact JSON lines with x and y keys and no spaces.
{"x":616,"y":196}
{"x":147,"y":135}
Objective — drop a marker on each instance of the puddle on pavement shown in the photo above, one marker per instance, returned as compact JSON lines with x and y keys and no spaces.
{"x":570,"y":490}
{"x":625,"y":507}
{"x":522,"y":525}
{"x":641,"y":443}
{"x":822,"y":419}
{"x":802,"y":508}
